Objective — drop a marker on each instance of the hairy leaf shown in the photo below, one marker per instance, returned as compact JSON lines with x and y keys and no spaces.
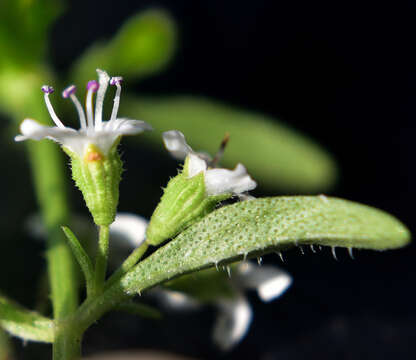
{"x":255,"y":227}
{"x":143,"y":46}
{"x":276,"y":156}
{"x":23,"y":323}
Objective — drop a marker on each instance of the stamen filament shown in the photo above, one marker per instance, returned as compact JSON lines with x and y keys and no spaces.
{"x":70,"y":92}
{"x":49,"y":90}
{"x":80,"y":110}
{"x":218,"y":156}
{"x":117,"y":82}
{"x":92,"y":87}
{"x":103,"y":79}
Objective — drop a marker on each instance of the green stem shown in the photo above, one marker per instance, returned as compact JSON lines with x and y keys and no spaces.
{"x":102,"y":258}
{"x":95,"y":307}
{"x":67,"y":344}
{"x":49,"y":176}
{"x":132,"y":260}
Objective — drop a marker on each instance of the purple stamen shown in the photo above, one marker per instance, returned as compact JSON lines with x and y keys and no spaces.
{"x":47,"y":89}
{"x":92,"y":85}
{"x":116,"y":80}
{"x":69,"y":91}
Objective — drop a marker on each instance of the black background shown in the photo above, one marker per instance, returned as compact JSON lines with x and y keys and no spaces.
{"x":342,"y":72}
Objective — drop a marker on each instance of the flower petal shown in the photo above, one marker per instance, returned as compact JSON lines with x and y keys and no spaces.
{"x":31,"y":129}
{"x":176,"y":144}
{"x":222,"y":181}
{"x":125,"y":126}
{"x":195,"y":165}
{"x":232,"y":323}
{"x":269,"y":281}
{"x":129,"y":230}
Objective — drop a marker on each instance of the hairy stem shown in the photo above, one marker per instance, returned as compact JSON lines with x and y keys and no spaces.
{"x":102,"y":258}
{"x":67,"y":345}
{"x":132,"y":260}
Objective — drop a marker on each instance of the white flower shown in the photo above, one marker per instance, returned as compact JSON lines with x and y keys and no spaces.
{"x":233,"y":321}
{"x":217,"y":181}
{"x":234,"y":314}
{"x":128,"y":230}
{"x":93,"y":131}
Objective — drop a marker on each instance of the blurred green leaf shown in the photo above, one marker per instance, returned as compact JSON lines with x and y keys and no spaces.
{"x":23,"y":323}
{"x":256,"y":227}
{"x":205,"y":285}
{"x":23,"y":29}
{"x":143,"y":46}
{"x":5,"y":346}
{"x":22,"y":97}
{"x":276,"y":156}
{"x":139,"y":309}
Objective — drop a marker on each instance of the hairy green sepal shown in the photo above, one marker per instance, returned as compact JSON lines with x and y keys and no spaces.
{"x":184,"y":202}
{"x":98,"y":177}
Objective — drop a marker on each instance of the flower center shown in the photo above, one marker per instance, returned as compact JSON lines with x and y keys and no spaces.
{"x":93,"y":154}
{"x":92,"y":121}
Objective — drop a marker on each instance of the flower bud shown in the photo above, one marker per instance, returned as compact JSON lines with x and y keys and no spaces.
{"x":183,"y":203}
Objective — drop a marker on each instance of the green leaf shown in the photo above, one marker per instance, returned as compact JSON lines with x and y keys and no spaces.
{"x":82,"y":257}
{"x":256,"y":227}
{"x":276,"y":156}
{"x":23,"y":29}
{"x":143,"y":46}
{"x":142,"y":310}
{"x":23,"y":323}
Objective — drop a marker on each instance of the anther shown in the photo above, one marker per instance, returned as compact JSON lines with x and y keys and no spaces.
{"x":69,"y":91}
{"x":47,"y":89}
{"x":92,"y":85}
{"x":116,"y":80}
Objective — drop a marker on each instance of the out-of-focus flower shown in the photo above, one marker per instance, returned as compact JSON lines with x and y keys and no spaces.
{"x":234,"y":311}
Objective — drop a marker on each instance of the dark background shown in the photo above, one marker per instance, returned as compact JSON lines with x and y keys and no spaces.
{"x":342,"y":72}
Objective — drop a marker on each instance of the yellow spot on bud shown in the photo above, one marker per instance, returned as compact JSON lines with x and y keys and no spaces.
{"x":93,"y":154}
